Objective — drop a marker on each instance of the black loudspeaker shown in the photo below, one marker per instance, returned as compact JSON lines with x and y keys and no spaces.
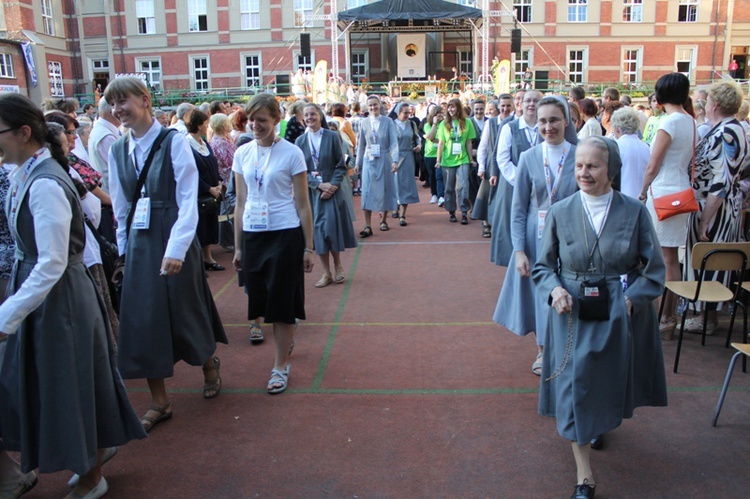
{"x":541,"y":80}
{"x":282,"y":84}
{"x":515,"y":40}
{"x":304,"y":44}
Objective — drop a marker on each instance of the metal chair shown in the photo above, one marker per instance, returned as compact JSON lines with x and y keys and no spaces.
{"x":708,"y":257}
{"x":742,"y":349}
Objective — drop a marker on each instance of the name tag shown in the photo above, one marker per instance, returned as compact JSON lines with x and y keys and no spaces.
{"x":541,"y":217}
{"x":456,"y":149}
{"x":375,"y":150}
{"x":142,"y":214}
{"x":592,"y":292}
{"x":256,"y":215}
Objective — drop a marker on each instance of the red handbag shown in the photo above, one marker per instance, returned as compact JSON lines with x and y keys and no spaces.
{"x":679,"y":202}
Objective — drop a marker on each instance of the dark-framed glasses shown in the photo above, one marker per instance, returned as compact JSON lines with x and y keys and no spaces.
{"x":8,"y":130}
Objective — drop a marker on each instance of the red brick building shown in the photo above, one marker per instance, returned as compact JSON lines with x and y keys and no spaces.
{"x":204,"y":45}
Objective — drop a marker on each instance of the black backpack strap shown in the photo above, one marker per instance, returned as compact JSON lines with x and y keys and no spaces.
{"x":163,"y":134}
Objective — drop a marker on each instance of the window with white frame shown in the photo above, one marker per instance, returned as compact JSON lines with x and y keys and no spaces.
{"x":353,"y":4}
{"x":55,"y":79}
{"x":359,"y":66}
{"x":688,"y":11}
{"x":578,"y":11}
{"x":197,"y":15}
{"x":576,"y":63}
{"x":100,"y":65}
{"x":48,"y":23}
{"x":144,"y":13}
{"x":252,"y":71}
{"x":303,"y":9}
{"x":523,"y":10}
{"x":6,"y":66}
{"x":249,"y":14}
{"x":468,"y":3}
{"x":630,"y":65}
{"x":152,"y":69}
{"x":200,"y":73}
{"x":304,"y":63}
{"x":684,"y":61}
{"x":632,"y":11}
{"x":465,"y":63}
{"x":522,"y":60}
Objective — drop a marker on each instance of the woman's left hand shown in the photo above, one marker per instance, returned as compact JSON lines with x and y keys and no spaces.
{"x":170,"y":266}
{"x":307,"y":261}
{"x":703,"y":234}
{"x":562,"y":301}
{"x":394,"y":167}
{"x":215,"y":191}
{"x":417,"y":149}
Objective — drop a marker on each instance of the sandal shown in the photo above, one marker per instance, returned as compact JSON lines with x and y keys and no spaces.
{"x":279,"y":380}
{"x":536,"y":367}
{"x":211,"y":388}
{"x":402,"y":222}
{"x":383,"y":226}
{"x":164,"y":413}
{"x":366,"y":232}
{"x":256,"y":334}
{"x":339,"y":277}
{"x":395,"y":214}
{"x":486,"y":231}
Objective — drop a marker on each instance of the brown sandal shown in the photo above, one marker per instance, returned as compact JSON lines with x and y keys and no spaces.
{"x":164,"y":413}
{"x":212,"y":388}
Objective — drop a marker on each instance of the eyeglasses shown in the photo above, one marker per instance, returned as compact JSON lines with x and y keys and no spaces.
{"x":8,"y":130}
{"x":70,"y":132}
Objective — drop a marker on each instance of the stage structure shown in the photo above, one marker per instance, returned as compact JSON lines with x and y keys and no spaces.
{"x":414,"y":20}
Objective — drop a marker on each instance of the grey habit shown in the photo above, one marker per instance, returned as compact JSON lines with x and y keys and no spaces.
{"x":485,"y":196}
{"x":616,"y":365}
{"x":61,"y":395}
{"x":519,"y":308}
{"x":406,"y":185}
{"x":332,"y":223}
{"x":378,"y":182}
{"x":163,"y":319}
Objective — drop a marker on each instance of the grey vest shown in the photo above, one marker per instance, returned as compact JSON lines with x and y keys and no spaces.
{"x":519,"y":143}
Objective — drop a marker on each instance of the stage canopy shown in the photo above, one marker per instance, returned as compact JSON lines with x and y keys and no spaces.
{"x":410,"y":15}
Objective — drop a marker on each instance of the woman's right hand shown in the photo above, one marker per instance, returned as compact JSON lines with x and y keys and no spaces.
{"x":522,"y":264}
{"x":237,"y":260}
{"x":562,"y":301}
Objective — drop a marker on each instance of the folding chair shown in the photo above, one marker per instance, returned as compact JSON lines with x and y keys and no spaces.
{"x":729,"y":257}
{"x":742,"y":349}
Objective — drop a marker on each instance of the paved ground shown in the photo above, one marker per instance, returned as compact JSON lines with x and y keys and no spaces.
{"x":402,"y":386}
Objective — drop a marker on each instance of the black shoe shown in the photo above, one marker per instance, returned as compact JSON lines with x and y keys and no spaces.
{"x":453,"y":218}
{"x":583,"y":491}
{"x":598,"y":442}
{"x":395,"y":214}
{"x":464,"y":220}
{"x":213,"y":266}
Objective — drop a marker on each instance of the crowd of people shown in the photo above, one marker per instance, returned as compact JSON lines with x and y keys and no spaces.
{"x":564,"y":187}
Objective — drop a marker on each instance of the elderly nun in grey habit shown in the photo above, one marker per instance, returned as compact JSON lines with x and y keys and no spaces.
{"x":326,"y":180}
{"x":409,"y":143}
{"x":602,"y":355}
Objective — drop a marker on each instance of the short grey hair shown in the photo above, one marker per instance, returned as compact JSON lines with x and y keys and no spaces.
{"x":104,"y":107}
{"x":626,"y":120}
{"x":183,"y":109}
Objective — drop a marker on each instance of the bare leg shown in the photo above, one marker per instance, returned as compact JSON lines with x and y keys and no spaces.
{"x":206,"y":254}
{"x":582,"y":455}
{"x":324,"y":261}
{"x":283,"y":335}
{"x":673,"y":274}
{"x":158,"y":390}
{"x":368,"y":218}
{"x":89,"y":480}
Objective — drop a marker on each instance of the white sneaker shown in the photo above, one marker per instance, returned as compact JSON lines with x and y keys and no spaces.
{"x":441,"y":202}
{"x":695,"y":325}
{"x":433,"y":200}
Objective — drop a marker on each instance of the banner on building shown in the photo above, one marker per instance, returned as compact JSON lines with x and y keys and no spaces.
{"x":140,"y":76}
{"x":320,"y":82}
{"x":29,"y":57}
{"x":412,"y":56}
{"x":501,"y":76}
{"x":10,"y":88}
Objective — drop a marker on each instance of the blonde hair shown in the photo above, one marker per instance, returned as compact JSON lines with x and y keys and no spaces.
{"x":743,"y":111}
{"x":219,"y":123}
{"x":124,"y":87}
{"x":727,"y":96}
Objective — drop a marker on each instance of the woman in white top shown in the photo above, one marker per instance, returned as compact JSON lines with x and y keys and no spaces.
{"x":591,"y":126}
{"x":634,"y":152}
{"x":668,"y":172}
{"x":273,"y":234}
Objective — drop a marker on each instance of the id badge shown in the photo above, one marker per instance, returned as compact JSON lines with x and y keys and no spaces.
{"x":456,"y":149}
{"x":142,"y":214}
{"x":375,"y":150}
{"x":256,"y":215}
{"x":540,"y":219}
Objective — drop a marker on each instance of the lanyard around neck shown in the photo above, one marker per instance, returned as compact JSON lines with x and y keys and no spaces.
{"x":552,"y":189}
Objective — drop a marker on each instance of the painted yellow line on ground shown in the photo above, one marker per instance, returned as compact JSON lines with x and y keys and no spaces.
{"x":381,"y":324}
{"x":220,"y":292}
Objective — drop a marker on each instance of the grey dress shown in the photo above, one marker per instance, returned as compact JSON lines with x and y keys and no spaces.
{"x":519,"y":308}
{"x":406,"y":185}
{"x":61,"y":395}
{"x":378,"y":182}
{"x":162,"y":319}
{"x":616,"y":365}
{"x":332,"y":221}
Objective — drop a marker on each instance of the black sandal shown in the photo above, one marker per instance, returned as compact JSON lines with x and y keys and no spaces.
{"x":213,"y":387}
{"x":402,"y":222}
{"x":486,"y":231}
{"x":383,"y":226}
{"x":366,"y":232}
